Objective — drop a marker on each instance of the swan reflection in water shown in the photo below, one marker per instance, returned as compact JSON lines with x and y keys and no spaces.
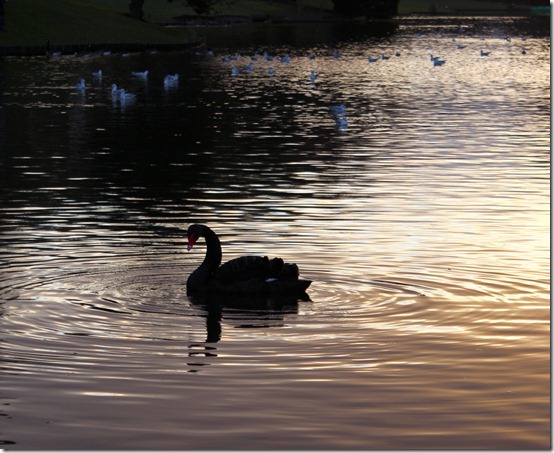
{"x":249,"y":311}
{"x":240,"y":312}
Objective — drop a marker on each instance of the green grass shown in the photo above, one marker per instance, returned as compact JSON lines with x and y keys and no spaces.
{"x":32,"y":22}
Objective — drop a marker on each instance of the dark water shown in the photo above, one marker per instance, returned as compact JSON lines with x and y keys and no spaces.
{"x":424,"y":224}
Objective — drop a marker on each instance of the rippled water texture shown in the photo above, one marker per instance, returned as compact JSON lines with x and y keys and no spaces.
{"x":423,"y":223}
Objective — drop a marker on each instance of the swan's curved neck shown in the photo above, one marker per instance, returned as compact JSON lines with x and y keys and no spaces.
{"x":199,"y":278}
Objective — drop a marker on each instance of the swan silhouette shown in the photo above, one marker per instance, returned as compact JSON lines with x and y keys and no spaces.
{"x":244,"y":275}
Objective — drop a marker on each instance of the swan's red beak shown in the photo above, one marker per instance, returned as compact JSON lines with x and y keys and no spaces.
{"x":192,"y":241}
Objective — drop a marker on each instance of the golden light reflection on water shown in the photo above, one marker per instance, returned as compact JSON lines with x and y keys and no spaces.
{"x":423,"y":226}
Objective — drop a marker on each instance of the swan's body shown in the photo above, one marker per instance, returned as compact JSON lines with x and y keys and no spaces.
{"x":244,"y":275}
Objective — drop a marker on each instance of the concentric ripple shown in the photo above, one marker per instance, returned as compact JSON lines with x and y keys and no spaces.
{"x":423,"y":223}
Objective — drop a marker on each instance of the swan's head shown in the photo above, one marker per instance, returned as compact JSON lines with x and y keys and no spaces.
{"x":193,"y":233}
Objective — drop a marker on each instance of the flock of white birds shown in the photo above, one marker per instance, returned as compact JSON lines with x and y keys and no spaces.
{"x":338,"y":112}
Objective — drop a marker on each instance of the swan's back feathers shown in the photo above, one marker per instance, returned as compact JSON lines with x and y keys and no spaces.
{"x":256,"y":267}
{"x":256,"y":274}
{"x":244,"y":275}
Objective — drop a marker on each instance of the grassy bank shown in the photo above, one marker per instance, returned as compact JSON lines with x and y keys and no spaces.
{"x":90,"y":22}
{"x":33,"y":22}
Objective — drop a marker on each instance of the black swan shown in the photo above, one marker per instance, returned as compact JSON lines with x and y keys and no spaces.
{"x":244,"y":275}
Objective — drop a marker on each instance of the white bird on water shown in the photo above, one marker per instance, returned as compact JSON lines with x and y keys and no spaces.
{"x":115,"y":91}
{"x":140,"y":74}
{"x":97,"y":74}
{"x":121,"y":94}
{"x":313,"y":76}
{"x":81,"y":85}
{"x":171,"y":80}
{"x":124,"y":96}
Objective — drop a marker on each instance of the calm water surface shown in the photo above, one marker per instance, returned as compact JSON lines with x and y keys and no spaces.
{"x":424,"y":225}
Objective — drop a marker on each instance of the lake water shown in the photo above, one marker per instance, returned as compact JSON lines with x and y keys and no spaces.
{"x":423,"y":223}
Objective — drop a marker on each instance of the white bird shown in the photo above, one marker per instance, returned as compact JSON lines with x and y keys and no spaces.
{"x":117,"y":92}
{"x":121,"y":94}
{"x":140,"y":74}
{"x":311,"y":56}
{"x":249,"y":68}
{"x":170,"y":80}
{"x":313,"y":76}
{"x":285,"y":59}
{"x":81,"y":85}
{"x":234,"y":71}
{"x":336,"y":54}
{"x":271,"y":71}
{"x":124,"y":96}
{"x":97,"y":74}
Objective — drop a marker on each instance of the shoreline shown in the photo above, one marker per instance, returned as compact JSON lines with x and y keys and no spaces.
{"x":67,"y":49}
{"x":220,"y":21}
